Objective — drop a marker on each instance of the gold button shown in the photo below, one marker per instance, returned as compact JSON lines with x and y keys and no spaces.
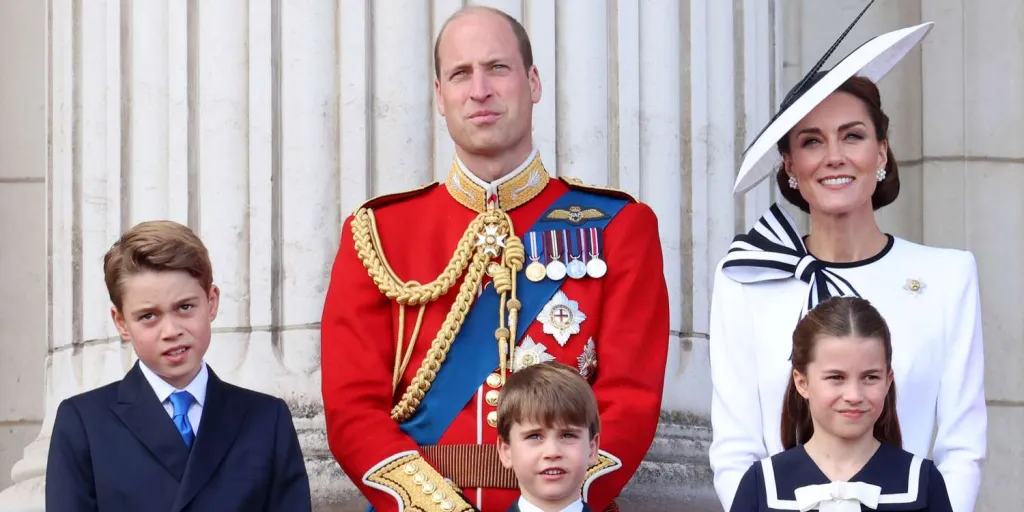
{"x":494,"y":380}
{"x":492,"y":418}
{"x":419,"y":478}
{"x":438,"y":497}
{"x":429,"y":488}
{"x":492,"y":397}
{"x":410,"y":469}
{"x":447,"y":506}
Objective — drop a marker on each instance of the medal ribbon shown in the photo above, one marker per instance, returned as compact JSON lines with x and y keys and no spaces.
{"x":583,"y":245}
{"x":534,"y":255}
{"x":565,"y":247}
{"x":595,"y":243}
{"x":555,"y":252}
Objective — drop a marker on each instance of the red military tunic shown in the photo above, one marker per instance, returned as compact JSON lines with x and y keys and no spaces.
{"x":621,"y":346}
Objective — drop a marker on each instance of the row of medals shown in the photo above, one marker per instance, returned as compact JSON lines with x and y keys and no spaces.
{"x":556,"y":270}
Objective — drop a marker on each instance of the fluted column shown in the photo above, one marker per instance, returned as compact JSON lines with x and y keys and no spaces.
{"x":973,"y":99}
{"x":263,"y":123}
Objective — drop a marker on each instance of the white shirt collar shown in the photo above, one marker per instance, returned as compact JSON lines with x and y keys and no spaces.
{"x":526,"y":506}
{"x":492,"y":187}
{"x":163,"y":390}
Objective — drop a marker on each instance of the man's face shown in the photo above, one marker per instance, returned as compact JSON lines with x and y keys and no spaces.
{"x":483,"y":91}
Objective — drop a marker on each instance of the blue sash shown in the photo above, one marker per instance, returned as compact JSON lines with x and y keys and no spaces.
{"x":473,"y":354}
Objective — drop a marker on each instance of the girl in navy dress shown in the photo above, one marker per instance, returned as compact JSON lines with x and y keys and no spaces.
{"x":843,"y":449}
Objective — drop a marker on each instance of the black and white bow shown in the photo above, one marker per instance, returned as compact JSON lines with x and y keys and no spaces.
{"x":773,"y":249}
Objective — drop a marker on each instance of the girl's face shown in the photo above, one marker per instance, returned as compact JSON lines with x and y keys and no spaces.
{"x":845,"y":385}
{"x":834,"y":156}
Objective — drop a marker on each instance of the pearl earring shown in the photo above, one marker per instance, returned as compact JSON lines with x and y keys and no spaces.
{"x":880,"y":174}
{"x":792,"y":182}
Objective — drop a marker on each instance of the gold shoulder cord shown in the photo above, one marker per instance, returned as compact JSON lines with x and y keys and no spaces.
{"x":488,"y":245}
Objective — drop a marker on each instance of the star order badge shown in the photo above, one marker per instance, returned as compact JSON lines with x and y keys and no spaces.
{"x":529,"y":353}
{"x":490,"y":240}
{"x":587,"y":360}
{"x":561,"y":317}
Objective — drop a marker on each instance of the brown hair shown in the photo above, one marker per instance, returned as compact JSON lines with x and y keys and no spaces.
{"x":158,"y":246}
{"x":886,"y":190}
{"x":846,"y":316}
{"x":549,"y":393}
{"x":525,"y":48}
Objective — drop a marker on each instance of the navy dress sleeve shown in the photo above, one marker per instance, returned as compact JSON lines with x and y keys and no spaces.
{"x":748,"y":494}
{"x":938,"y":497}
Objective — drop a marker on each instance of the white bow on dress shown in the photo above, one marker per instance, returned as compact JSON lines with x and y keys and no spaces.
{"x":838,"y":497}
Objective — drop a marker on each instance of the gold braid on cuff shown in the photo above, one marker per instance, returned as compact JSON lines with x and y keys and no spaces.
{"x":419,"y":486}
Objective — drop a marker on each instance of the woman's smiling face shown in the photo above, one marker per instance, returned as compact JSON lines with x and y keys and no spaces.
{"x":834,"y":155}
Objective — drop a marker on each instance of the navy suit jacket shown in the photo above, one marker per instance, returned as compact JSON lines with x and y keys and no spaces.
{"x":115,"y":448}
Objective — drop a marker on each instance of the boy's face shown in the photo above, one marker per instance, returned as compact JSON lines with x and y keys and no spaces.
{"x":167,"y":317}
{"x":550,"y":462}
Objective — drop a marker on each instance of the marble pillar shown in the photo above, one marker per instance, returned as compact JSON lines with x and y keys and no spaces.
{"x":973,"y":95}
{"x":261,"y":124}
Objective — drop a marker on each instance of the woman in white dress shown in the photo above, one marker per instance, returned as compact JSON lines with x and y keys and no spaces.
{"x":832,"y":159}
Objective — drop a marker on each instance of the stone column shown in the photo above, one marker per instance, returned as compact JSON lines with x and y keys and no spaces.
{"x":23,"y":231}
{"x":973,"y":95}
{"x":262,"y":124}
{"x":210,"y":115}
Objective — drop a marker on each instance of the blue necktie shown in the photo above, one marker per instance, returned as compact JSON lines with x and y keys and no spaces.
{"x":181,"y":400}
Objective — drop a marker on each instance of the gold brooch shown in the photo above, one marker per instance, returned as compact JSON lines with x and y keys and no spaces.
{"x":914,"y":286}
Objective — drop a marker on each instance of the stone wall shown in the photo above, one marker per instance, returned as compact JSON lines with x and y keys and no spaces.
{"x":262,"y":123}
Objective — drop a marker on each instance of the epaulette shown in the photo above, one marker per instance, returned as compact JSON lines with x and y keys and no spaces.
{"x":386,"y":199}
{"x":608,"y":191}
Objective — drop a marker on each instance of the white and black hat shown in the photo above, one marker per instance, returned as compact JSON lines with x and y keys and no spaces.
{"x":872,"y":60}
{"x":773,"y":249}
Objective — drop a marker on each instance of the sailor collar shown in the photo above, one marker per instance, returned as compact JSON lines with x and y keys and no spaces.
{"x":891,"y":480}
{"x":510,"y":191}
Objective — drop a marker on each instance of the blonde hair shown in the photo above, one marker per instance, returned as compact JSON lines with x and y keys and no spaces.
{"x":550,"y":394}
{"x":157,"y":246}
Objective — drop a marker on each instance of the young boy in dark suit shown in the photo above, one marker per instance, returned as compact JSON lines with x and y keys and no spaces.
{"x":171,"y":436}
{"x":548,"y":434}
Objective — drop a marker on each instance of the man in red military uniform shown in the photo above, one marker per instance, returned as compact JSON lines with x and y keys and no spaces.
{"x":438,"y":293}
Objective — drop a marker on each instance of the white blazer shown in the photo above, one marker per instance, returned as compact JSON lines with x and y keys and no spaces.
{"x":937,"y":359}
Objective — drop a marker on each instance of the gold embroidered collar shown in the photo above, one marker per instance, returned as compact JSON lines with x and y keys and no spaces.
{"x":508,"y":192}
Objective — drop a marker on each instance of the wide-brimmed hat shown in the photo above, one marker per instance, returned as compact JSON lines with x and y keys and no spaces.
{"x":872,"y":60}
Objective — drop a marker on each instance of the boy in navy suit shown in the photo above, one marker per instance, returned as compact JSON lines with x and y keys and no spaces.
{"x":171,"y":436}
{"x":548,"y":434}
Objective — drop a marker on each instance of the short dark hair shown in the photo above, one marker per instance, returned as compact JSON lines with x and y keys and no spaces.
{"x":156,"y":246}
{"x":551,"y":394}
{"x":525,"y":48}
{"x":889,"y":188}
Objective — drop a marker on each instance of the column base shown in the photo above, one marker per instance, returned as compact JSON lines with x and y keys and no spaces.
{"x":28,"y":494}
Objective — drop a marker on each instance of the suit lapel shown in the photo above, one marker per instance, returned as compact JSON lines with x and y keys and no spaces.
{"x":141,"y":411}
{"x":223,"y":415}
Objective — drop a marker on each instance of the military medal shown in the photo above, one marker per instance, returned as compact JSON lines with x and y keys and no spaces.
{"x":576,"y":268}
{"x":596,"y":267}
{"x":535,"y":271}
{"x":556,"y":269}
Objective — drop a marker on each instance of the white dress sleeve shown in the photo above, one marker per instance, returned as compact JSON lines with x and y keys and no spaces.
{"x":960,"y":442}
{"x":737,"y":434}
